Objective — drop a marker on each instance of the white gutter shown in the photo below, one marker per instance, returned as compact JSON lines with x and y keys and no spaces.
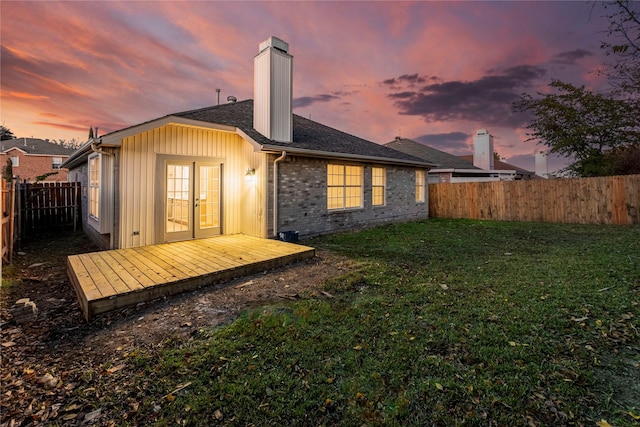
{"x":275,"y":192}
{"x":95,"y":149}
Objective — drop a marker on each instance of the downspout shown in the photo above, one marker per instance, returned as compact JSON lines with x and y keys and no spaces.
{"x":95,"y":149}
{"x":275,"y":192}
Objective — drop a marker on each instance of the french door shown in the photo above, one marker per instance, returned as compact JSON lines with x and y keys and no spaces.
{"x":192,"y":206}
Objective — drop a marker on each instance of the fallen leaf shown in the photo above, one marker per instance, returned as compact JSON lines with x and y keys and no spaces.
{"x":218,"y":414}
{"x":579,"y":319}
{"x":439,"y":386}
{"x":92,"y":415}
{"x":357,"y":348}
{"x":444,"y":287}
{"x":113,"y":369}
{"x":603,"y":423}
{"x":171,"y":397}
{"x":634,"y":415}
{"x":513,"y":343}
{"x":8,"y":344}
{"x":49,"y":380}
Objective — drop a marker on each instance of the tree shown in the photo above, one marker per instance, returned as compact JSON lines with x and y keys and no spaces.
{"x":5,"y":133}
{"x":623,"y":46}
{"x":7,"y":170}
{"x":583,"y":125}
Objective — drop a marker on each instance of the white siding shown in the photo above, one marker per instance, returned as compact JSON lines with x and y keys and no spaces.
{"x":243,"y":200}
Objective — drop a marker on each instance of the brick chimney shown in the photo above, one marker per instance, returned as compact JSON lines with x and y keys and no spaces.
{"x":272,"y":90}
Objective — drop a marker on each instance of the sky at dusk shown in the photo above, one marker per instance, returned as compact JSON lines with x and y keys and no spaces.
{"x":434,"y":72}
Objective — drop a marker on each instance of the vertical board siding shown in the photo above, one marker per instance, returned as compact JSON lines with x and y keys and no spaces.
{"x":602,"y":200}
{"x":138,"y":186}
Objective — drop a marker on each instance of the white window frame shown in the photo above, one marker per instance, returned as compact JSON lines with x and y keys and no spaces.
{"x":341,"y":188}
{"x":15,"y":161}
{"x":56,"y":162}
{"x":94,"y":181}
{"x":378,"y":185}
{"x":420,"y":186}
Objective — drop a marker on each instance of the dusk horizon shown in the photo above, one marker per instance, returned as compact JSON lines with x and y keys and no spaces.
{"x":433,"y":72}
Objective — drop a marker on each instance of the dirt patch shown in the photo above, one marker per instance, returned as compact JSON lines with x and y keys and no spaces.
{"x":45,"y":359}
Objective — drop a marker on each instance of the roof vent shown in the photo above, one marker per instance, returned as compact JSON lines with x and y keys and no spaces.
{"x":231,"y":99}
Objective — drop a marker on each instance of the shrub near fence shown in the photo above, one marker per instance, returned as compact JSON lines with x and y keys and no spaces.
{"x":602,"y":200}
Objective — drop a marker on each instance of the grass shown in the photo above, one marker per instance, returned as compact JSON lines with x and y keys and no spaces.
{"x":444,"y":322}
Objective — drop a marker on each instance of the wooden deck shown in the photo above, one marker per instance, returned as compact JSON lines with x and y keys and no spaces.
{"x":112,"y":279}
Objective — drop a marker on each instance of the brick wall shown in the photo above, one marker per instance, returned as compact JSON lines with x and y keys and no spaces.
{"x":31,"y":165}
{"x":302,"y":202}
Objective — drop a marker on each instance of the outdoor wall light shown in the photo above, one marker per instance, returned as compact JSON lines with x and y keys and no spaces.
{"x":250,"y":172}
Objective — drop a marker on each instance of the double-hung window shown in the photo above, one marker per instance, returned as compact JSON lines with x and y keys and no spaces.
{"x":344,"y":186}
{"x":420,"y":186}
{"x":378,"y":181}
{"x":94,"y":187}
{"x":56,"y":162}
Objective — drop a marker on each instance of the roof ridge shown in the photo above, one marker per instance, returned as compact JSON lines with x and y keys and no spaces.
{"x":211,"y":107}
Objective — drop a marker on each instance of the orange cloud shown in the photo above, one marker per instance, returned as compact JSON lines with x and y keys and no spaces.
{"x":63,"y":126}
{"x":24,"y":95}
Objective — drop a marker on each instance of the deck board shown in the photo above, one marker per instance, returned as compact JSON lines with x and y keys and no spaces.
{"x":107,"y":280}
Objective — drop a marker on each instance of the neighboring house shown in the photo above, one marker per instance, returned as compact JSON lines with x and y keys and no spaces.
{"x":506,"y":171}
{"x":479,"y":167}
{"x":247,"y":167}
{"x":32,"y":158}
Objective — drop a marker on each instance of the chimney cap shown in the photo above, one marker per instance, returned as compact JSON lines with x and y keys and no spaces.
{"x":275,"y":43}
{"x":231,"y":99}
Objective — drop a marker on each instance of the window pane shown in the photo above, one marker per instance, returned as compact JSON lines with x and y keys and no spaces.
{"x":419,"y":186}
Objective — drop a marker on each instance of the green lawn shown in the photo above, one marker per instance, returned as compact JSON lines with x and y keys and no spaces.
{"x":444,"y":322}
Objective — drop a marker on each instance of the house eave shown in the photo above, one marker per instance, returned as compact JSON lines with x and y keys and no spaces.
{"x":342,"y":156}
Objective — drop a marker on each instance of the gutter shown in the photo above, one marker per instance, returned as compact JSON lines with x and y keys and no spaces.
{"x":344,"y":156}
{"x":275,"y":192}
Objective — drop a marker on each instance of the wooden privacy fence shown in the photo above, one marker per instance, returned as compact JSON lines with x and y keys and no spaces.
{"x":8,"y":219}
{"x":44,"y":206}
{"x":602,"y":200}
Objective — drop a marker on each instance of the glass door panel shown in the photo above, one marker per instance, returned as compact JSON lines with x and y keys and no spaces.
{"x":178,"y":211}
{"x":208,"y":202}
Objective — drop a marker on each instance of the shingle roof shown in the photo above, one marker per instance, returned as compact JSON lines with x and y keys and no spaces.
{"x":35,"y":146}
{"x":499,"y":165}
{"x":307,"y":134}
{"x":441,"y":159}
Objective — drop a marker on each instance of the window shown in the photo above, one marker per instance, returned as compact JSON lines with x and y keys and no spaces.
{"x":378,"y":182}
{"x":15,"y":161}
{"x":419,"y":186}
{"x":344,"y":186}
{"x":94,"y":186}
{"x":56,"y":162}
